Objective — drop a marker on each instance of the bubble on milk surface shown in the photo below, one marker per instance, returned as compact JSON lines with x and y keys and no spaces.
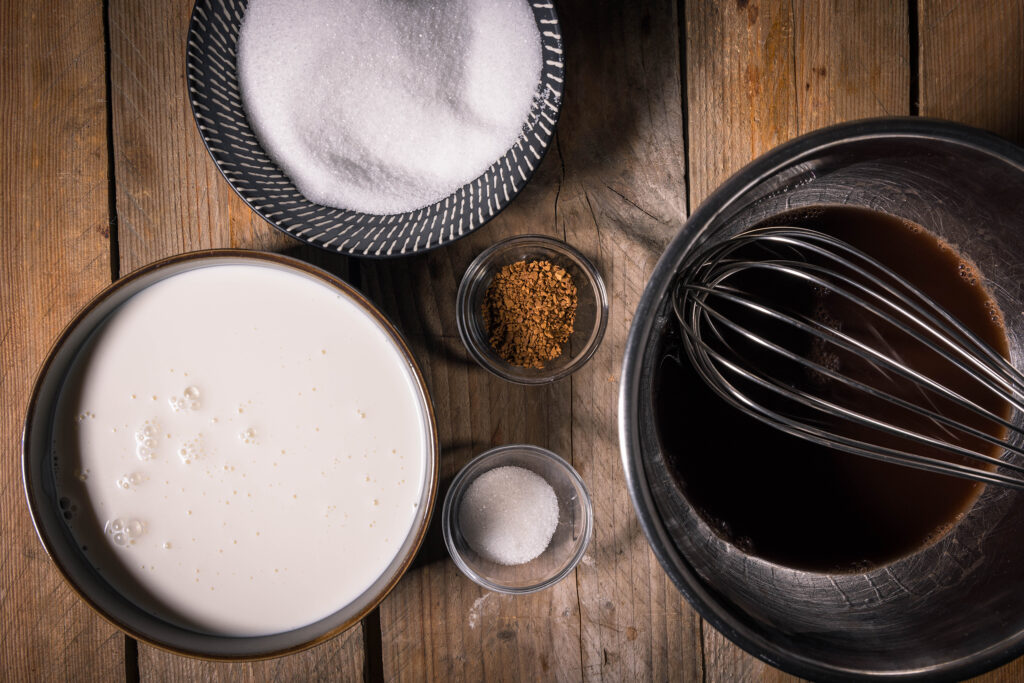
{"x":131,"y":480}
{"x":189,"y":400}
{"x":191,"y":397}
{"x":146,"y":441}
{"x":192,"y":449}
{"x":124,"y":532}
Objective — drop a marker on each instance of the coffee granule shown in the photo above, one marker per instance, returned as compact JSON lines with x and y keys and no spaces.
{"x":529,"y":310}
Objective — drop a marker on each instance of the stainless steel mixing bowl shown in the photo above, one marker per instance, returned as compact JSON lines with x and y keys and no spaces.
{"x":948,"y":611}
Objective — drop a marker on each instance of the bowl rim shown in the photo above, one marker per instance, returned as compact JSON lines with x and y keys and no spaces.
{"x":553,"y":69}
{"x":711,"y":606}
{"x":244,"y":256}
{"x":461,"y":481}
{"x":463,"y":314}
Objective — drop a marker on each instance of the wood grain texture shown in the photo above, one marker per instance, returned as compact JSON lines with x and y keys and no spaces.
{"x":972,"y":63}
{"x":741,"y":86}
{"x":170,"y":196}
{"x":172,"y":199}
{"x":55,"y":256}
{"x":1009,"y":673}
{"x":622,"y":199}
{"x":614,"y":185}
{"x":851,"y":61}
{"x":972,"y":72}
{"x":761,"y":73}
{"x":339,"y":659}
{"x":437,"y":624}
{"x":613,"y":188}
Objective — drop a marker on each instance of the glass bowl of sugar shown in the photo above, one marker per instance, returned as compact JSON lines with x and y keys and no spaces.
{"x":517,"y":519}
{"x":531,"y":309}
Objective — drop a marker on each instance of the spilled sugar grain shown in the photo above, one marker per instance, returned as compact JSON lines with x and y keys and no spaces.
{"x":387,"y":106}
{"x":509,"y":515}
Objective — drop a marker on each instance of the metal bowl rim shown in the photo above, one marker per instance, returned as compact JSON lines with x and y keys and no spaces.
{"x":718,"y":613}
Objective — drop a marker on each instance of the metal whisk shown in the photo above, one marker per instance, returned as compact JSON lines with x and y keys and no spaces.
{"x":814,"y":337}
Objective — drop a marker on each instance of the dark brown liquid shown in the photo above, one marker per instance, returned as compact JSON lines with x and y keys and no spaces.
{"x":805,"y":506}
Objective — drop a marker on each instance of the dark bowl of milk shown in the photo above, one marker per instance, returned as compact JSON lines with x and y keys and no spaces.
{"x":827,"y":565}
{"x":231,"y":455}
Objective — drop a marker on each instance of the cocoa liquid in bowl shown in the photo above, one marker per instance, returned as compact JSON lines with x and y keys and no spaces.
{"x":806,"y":506}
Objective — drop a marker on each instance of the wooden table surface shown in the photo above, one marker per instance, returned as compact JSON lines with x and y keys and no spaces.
{"x":104,"y":171}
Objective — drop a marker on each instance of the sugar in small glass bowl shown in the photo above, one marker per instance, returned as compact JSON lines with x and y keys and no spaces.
{"x":591,"y":307}
{"x":475,"y":549}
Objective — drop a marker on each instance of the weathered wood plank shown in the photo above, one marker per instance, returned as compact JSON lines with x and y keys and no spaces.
{"x":972,"y":71}
{"x":170,"y":196}
{"x":437,"y":624}
{"x":54,"y":242}
{"x":339,"y":659}
{"x":619,"y":211}
{"x":1010,"y":673}
{"x":741,"y":87}
{"x":760,"y":73}
{"x":972,"y":63}
{"x":622,"y":199}
{"x":851,"y":61}
{"x":172,"y":199}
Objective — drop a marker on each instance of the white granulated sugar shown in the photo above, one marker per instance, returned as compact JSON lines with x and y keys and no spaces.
{"x":508,"y":515}
{"x":386,"y":106}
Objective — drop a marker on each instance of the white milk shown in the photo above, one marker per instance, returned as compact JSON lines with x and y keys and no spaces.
{"x":241,"y":449}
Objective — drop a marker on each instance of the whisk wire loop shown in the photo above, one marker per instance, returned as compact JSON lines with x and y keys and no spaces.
{"x":829,"y":439}
{"x":819,"y":403}
{"x":904,"y":295}
{"x":848,"y":343}
{"x":728,"y":329}
{"x":934,"y":318}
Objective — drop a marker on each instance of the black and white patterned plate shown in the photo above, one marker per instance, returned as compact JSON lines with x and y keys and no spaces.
{"x":217,"y":106}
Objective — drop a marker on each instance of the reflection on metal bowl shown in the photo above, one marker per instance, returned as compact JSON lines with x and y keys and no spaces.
{"x":950,"y":610}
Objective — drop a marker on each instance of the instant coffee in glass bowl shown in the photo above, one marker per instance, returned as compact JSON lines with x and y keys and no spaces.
{"x":535,"y":281}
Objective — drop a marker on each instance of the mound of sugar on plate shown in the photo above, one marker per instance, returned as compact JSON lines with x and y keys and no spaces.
{"x":386,"y":106}
{"x":508,"y":515}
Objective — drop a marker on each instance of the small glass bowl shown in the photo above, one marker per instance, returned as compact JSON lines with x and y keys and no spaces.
{"x":591,"y":311}
{"x":569,"y":542}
